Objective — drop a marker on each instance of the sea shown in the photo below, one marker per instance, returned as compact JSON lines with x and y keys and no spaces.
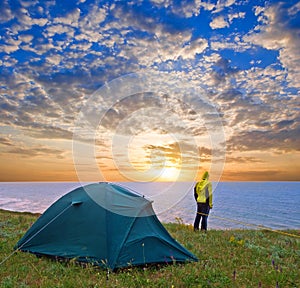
{"x":236,"y":205}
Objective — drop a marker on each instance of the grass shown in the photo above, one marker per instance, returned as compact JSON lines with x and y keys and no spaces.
{"x":227,"y":258}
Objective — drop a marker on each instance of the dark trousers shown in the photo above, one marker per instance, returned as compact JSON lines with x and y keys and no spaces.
{"x":202,"y":213}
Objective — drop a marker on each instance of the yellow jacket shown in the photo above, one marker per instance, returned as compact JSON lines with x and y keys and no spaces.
{"x":203,"y":191}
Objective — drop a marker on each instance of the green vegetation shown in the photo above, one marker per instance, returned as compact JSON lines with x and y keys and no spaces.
{"x":229,"y":258}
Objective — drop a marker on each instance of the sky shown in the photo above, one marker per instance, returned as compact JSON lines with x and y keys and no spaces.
{"x":149,"y":90}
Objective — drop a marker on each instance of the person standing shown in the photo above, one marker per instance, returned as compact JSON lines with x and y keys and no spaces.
{"x":203,"y":197}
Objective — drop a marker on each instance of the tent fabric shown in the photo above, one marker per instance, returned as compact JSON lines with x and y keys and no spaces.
{"x":121,"y":232}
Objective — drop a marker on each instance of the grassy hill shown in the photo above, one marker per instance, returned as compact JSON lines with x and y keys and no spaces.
{"x":227,"y":258}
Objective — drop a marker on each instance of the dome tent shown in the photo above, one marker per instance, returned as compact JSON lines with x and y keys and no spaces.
{"x":104,"y":224}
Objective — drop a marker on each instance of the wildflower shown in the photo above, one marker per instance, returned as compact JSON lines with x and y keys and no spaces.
{"x":241,"y":242}
{"x":231,"y":239}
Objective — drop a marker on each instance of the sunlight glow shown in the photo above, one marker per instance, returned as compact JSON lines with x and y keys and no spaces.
{"x":169,"y":173}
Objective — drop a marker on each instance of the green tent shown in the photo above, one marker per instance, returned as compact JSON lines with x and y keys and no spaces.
{"x":104,"y":224}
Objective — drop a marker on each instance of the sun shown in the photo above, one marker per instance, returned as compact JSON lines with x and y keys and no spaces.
{"x":169,"y":173}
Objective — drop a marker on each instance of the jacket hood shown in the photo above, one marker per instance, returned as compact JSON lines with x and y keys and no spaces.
{"x":205,"y":176}
{"x":204,"y":180}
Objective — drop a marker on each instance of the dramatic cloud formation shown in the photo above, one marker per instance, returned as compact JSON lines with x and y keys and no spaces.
{"x":182,"y":84}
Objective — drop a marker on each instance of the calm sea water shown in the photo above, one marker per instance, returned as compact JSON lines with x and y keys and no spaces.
{"x":236,"y":204}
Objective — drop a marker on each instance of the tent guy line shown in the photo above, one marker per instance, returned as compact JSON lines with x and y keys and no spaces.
{"x":19,"y":248}
{"x":43,"y":227}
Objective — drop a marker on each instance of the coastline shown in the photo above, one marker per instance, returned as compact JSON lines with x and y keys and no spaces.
{"x":177,"y":222}
{"x":236,"y":205}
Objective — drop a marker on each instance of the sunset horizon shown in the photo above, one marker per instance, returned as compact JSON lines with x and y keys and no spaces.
{"x":149,"y":91}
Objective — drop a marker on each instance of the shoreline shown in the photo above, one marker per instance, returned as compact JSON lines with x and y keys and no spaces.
{"x":179,"y":223}
{"x":20,"y":212}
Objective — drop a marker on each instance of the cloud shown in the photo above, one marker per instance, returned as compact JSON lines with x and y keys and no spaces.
{"x":41,"y":131}
{"x":6,"y":13}
{"x":11,"y":45}
{"x":279,"y":24}
{"x":30,"y":109}
{"x":184,"y":8}
{"x":255,"y":175}
{"x":286,"y":140}
{"x":237,"y":15}
{"x":221,"y":70}
{"x":6,"y":141}
{"x":244,"y":159}
{"x":70,"y":19}
{"x":195,"y":47}
{"x":221,"y":5}
{"x":60,"y":28}
{"x":36,"y":151}
{"x":92,"y":20}
{"x":25,"y":38}
{"x":25,"y":18}
{"x":126,"y":107}
{"x":13,"y":146}
{"x":170,"y":151}
{"x":219,"y":22}
{"x":161,"y":40}
{"x":225,"y":21}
